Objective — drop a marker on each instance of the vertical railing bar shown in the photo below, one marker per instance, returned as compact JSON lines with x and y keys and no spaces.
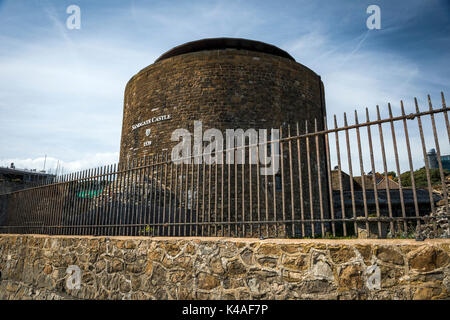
{"x":110,"y":185}
{"x":155,"y":197}
{"x":95,"y":229}
{"x":50,"y":208}
{"x":397,"y":165}
{"x":140,"y":229}
{"x":283,"y":200}
{"x":28,"y":220}
{"x":85,"y":227}
{"x":135,"y":182}
{"x":250,"y":186}
{"x":113,"y":220}
{"x":37,"y":199}
{"x":300,"y":182}
{"x":438,"y":152}
{"x":97,"y":194}
{"x":61,"y":198}
{"x":64,"y":206}
{"x":68,"y":205}
{"x":363,"y":174}
{"x":175,"y":203}
{"x":386,"y":178}
{"x":291,"y":180}
{"x":135,"y":230}
{"x":374,"y":182}
{"x":75,"y":214}
{"x":274,"y":186}
{"x":235,"y":192}
{"x":243,"y":226}
{"x":166,"y":168}
{"x":62,"y":201}
{"x":124,"y":196}
{"x":444,"y":106}
{"x":147,"y":196}
{"x":341,"y":190}
{"x":330,"y":177}
{"x":258,"y":190}
{"x":119,"y":209}
{"x":229,"y":195}
{"x":209,"y":166}
{"x":186,"y":179}
{"x":26,"y":217}
{"x":89,"y":201}
{"x":104,"y":205}
{"x":350,"y":172}
{"x":47,"y":202}
{"x":319,"y":180}
{"x":53,"y":207}
{"x":130,"y":198}
{"x":83,"y":201}
{"x":215,"y":196}
{"x":181,"y":199}
{"x":93,"y":219}
{"x":27,"y":214}
{"x":169,"y":218}
{"x":37,"y":196}
{"x":193,"y":197}
{"x":310,"y":186}
{"x":411,"y":169}
{"x":427,"y":166}
{"x":197,"y":206}
{"x":222,"y":195}
{"x":151,"y":213}
{"x":76,"y":177}
{"x":160,"y":188}
{"x":94,"y":199}
{"x":128,"y":204}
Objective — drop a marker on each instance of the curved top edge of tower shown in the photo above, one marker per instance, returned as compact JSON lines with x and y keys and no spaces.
{"x":224,"y":43}
{"x":209,"y":44}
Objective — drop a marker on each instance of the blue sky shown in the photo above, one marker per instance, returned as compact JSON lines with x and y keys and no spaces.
{"x":61,"y":90}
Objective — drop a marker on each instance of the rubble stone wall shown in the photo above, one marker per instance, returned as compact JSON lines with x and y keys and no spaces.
{"x":35,"y":267}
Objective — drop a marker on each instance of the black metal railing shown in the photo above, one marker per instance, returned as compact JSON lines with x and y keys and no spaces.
{"x":156,"y":196}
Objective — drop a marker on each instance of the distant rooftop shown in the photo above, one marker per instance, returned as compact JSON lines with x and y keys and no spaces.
{"x":15,"y":171}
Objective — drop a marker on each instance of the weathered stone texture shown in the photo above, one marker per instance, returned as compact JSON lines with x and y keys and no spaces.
{"x":34,"y":267}
{"x":225,"y":89}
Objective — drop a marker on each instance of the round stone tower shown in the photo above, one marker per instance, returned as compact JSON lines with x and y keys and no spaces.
{"x":230,"y":84}
{"x":226,"y":83}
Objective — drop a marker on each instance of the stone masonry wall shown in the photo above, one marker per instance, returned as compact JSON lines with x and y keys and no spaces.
{"x":34,"y":267}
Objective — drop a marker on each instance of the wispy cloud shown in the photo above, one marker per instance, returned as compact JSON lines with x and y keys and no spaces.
{"x":61,"y":91}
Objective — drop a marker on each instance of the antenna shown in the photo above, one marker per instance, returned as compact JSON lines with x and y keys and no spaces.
{"x":45,"y":160}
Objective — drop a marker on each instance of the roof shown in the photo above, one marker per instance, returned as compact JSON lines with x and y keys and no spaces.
{"x":224,"y":43}
{"x":22,"y":172}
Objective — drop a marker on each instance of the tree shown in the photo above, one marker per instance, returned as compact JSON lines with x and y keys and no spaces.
{"x":392,"y":174}
{"x":420,"y":177}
